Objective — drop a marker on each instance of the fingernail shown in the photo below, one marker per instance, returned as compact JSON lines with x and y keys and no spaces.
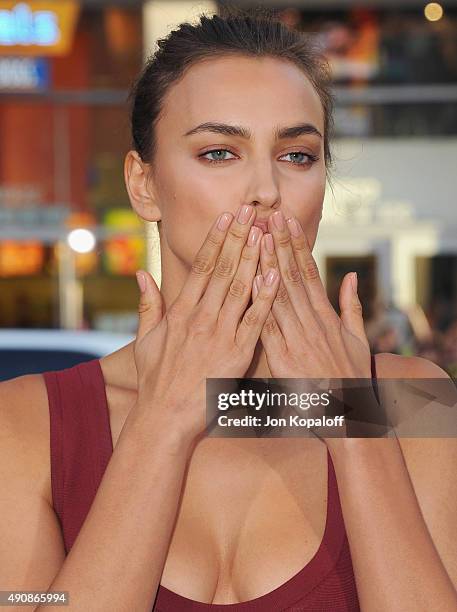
{"x":270,"y":277}
{"x":224,"y":221}
{"x":294,"y":227}
{"x":269,"y":244}
{"x":278,"y":220}
{"x":244,"y":214}
{"x":354,"y":281}
{"x":255,"y":291}
{"x":141,"y":280}
{"x":254,"y":235}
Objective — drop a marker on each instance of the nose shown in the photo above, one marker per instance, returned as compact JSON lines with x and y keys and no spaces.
{"x":263,"y":188}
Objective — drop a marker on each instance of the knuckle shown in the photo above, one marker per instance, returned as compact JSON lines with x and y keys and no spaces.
{"x":263,"y":295}
{"x":251,"y":317}
{"x":282,"y":297}
{"x":236,"y":235}
{"x":357,"y":306}
{"x":284,"y":241}
{"x":300,"y":244}
{"x":310,"y":270}
{"x":202,"y":265}
{"x":271,"y":263}
{"x":224,"y":266}
{"x":200,"y":326}
{"x":247,"y":255}
{"x":292,"y":274}
{"x":270,"y":326}
{"x":143,"y":307}
{"x":237,"y":288}
{"x":215,"y":240}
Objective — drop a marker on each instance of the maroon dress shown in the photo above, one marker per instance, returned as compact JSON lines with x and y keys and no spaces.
{"x":81,"y":447}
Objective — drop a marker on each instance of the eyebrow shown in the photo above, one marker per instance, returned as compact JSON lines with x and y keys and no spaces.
{"x":281,"y":133}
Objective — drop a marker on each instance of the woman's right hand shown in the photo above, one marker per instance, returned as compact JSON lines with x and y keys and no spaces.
{"x":207,"y":331}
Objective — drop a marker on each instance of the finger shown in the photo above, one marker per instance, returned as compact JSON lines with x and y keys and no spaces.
{"x":290,"y":272}
{"x":204,"y":262}
{"x":282,"y":309}
{"x":227,"y":262}
{"x":258,"y":280}
{"x":151,"y":305}
{"x":309,"y":273}
{"x":351,"y":309}
{"x":239,"y":292}
{"x":251,"y":324}
{"x":272,"y":339}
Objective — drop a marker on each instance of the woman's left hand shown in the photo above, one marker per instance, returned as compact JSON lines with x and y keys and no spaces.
{"x":303,"y":336}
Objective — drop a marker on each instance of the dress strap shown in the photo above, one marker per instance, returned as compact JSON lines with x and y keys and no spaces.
{"x":80,"y":448}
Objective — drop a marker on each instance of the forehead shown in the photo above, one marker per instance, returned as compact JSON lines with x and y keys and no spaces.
{"x":256,"y":92}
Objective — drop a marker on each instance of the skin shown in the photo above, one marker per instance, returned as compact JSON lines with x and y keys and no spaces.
{"x":303,"y":336}
{"x":180,"y":187}
{"x":221,"y":546}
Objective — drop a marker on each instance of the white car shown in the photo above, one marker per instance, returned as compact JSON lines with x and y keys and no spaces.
{"x":32,"y":351}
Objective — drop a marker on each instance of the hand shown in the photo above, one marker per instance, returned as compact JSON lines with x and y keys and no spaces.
{"x":207,"y":332}
{"x":303,"y":336}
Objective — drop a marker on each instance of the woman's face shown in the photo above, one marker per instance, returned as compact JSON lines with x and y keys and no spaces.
{"x":251,"y":99}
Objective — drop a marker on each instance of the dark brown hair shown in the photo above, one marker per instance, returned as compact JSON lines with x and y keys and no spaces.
{"x":248,"y":32}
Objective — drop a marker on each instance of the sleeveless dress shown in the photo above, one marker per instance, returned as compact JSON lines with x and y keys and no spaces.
{"x":81,"y":447}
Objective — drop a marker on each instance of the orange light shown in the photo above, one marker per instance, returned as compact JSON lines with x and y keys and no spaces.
{"x":21,"y":258}
{"x":433,"y":11}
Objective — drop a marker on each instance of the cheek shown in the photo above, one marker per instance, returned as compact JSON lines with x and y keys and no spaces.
{"x":308,"y":203}
{"x":188,"y":211}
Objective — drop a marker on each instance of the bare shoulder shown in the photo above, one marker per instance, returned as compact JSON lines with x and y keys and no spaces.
{"x":390,"y":365}
{"x":24,"y":432}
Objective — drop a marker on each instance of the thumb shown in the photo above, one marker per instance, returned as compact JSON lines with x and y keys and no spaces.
{"x":351,"y":308}
{"x":150,"y":307}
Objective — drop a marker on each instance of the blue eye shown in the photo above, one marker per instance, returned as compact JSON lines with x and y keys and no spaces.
{"x":220,"y":157}
{"x":218,"y":152}
{"x":311,"y":158}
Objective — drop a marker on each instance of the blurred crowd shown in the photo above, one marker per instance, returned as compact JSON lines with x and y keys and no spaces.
{"x":413,"y":332}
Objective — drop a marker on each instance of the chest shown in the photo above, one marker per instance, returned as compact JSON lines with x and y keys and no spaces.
{"x":250,"y":518}
{"x":252,"y":514}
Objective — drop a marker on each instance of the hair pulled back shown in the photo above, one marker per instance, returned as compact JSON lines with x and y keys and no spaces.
{"x":253,"y":32}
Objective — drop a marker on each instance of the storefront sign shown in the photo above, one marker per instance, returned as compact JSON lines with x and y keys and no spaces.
{"x":37,"y":27}
{"x":24,"y":74}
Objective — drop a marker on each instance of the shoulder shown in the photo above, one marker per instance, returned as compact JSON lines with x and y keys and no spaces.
{"x":390,"y":365}
{"x":434,"y":403}
{"x":24,"y":432}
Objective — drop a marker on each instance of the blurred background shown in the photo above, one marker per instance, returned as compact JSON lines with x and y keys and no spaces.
{"x":70,"y":243}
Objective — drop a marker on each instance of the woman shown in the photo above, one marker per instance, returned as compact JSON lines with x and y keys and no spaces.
{"x":135,"y":509}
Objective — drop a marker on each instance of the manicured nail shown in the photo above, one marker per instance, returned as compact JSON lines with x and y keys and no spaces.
{"x":354,"y":281}
{"x":270,"y":277}
{"x":141,"y":280}
{"x":269,"y":244}
{"x":278,"y":220}
{"x":224,"y":221}
{"x":258,"y":282}
{"x":254,"y":235}
{"x":294,"y":227}
{"x":244,"y":214}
